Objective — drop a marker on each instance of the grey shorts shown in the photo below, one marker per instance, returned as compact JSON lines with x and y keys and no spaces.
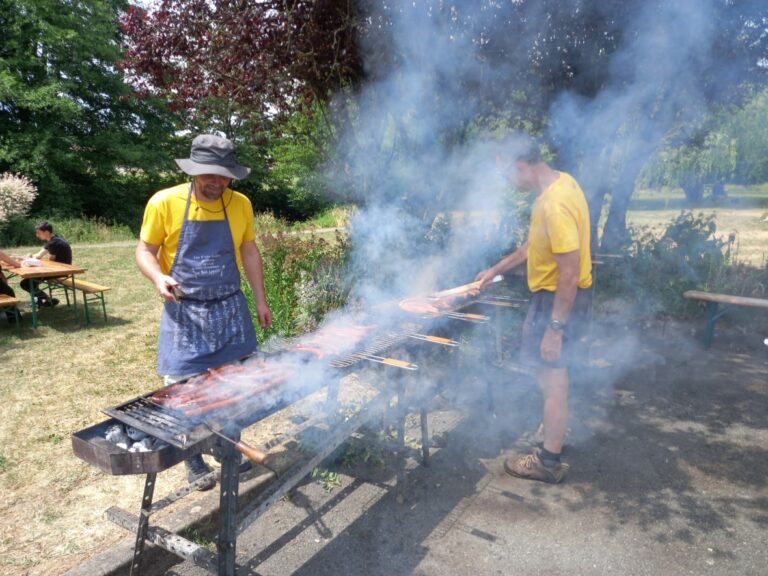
{"x":575,"y":338}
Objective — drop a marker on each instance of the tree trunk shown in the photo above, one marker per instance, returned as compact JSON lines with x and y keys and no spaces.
{"x":615,"y":236}
{"x":596,"y":201}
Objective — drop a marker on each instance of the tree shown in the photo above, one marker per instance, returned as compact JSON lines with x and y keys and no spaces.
{"x":605,"y":80}
{"x":67,"y":120}
{"x":234,"y":65}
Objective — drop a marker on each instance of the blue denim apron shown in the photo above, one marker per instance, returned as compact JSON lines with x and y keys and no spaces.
{"x":211,"y":324}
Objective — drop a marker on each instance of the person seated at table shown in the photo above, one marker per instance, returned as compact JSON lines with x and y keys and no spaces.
{"x":5,"y":288}
{"x":57,"y":249}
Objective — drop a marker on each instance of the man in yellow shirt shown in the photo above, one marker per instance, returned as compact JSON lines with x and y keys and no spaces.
{"x":560,"y":277}
{"x":193,"y":241}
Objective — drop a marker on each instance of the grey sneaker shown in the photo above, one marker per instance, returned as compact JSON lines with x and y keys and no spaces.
{"x":531,"y":467}
{"x":197,"y":469}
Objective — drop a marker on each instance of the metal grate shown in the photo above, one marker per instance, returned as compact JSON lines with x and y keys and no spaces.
{"x":157,"y":421}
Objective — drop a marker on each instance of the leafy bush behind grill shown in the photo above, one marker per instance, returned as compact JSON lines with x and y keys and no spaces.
{"x":687,"y":255}
{"x":304,"y":280}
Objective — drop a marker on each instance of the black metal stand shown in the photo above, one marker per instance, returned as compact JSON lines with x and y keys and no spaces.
{"x":423,"y":415}
{"x":230,"y":481}
{"x":141,"y":532}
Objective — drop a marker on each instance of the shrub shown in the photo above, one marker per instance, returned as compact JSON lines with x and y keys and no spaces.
{"x":16,"y":195}
{"x":303,"y":279}
{"x":658,"y":269}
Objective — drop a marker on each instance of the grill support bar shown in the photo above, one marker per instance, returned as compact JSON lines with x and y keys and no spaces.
{"x":141,"y":532}
{"x":230,"y":481}
{"x":167,"y":540}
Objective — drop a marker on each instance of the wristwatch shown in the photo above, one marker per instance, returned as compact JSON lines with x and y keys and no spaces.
{"x":556,"y":326}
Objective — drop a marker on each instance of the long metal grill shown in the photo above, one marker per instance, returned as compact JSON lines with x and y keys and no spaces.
{"x":191,"y":429}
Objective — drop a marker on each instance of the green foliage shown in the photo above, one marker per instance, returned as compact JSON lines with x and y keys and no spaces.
{"x":303,"y":279}
{"x":92,"y":230}
{"x":328,"y":479}
{"x":361,"y":452}
{"x":331,"y":217}
{"x":67,"y":120}
{"x":658,"y":269}
{"x":20,"y":231}
{"x":295,"y":187}
{"x":728,"y":146}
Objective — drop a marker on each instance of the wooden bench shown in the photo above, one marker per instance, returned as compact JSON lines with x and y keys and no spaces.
{"x":91,"y":292}
{"x":714,"y":312}
{"x":11,"y":302}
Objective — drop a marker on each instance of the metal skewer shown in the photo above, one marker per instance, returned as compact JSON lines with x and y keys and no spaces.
{"x":433,"y":339}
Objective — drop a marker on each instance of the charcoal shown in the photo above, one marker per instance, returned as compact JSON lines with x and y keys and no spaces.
{"x":116,"y":435}
{"x":134,"y":433}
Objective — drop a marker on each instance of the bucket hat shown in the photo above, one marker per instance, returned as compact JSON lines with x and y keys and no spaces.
{"x":212,"y":155}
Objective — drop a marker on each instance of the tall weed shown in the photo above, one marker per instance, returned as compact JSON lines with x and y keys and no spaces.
{"x":303,"y":278}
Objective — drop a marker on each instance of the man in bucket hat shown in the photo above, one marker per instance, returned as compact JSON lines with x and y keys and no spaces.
{"x":194,"y":239}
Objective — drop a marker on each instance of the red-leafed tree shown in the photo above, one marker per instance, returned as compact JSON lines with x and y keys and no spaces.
{"x":238,"y":66}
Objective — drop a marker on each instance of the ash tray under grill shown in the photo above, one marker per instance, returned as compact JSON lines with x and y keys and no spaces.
{"x":90,"y":444}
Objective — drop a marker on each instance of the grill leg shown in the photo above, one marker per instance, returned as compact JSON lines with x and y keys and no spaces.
{"x":424,"y":437}
{"x":141,"y":532}
{"x":230,"y":479}
{"x":400,"y":463}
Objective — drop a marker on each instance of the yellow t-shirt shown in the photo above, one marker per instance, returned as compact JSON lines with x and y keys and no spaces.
{"x":164,"y":215}
{"x":559,"y":224}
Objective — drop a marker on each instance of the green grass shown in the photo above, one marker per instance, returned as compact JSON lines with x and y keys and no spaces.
{"x":334,"y":217}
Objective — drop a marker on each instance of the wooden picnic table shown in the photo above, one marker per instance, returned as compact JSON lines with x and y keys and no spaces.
{"x":47,"y":269}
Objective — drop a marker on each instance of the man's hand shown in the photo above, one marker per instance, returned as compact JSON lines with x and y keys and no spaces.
{"x":484,"y":277}
{"x":551,"y":345}
{"x":265,"y":314}
{"x":166,"y":286}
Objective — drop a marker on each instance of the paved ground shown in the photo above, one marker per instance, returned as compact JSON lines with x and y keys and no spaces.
{"x":669,"y":455}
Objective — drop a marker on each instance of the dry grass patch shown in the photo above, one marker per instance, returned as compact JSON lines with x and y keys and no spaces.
{"x":58,"y":378}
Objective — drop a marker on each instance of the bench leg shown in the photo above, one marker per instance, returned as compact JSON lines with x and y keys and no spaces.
{"x":85,"y":306}
{"x":74,"y":301}
{"x":712,"y":316}
{"x":103,"y":306}
{"x":66,"y":293}
{"x":33,"y":302}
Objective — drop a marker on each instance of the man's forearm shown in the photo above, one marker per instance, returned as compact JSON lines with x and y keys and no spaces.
{"x":567,"y":286}
{"x":148,"y":263}
{"x":512,"y":260}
